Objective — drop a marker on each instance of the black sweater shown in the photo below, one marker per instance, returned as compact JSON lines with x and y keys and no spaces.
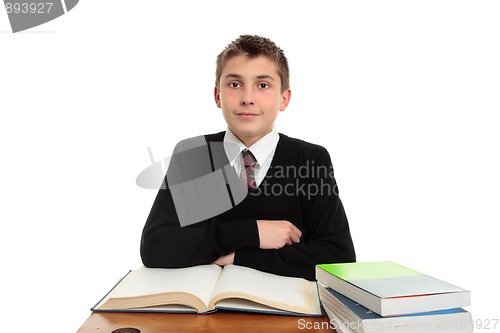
{"x":299,"y":187}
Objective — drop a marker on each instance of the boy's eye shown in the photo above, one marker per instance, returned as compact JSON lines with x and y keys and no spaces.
{"x":263,"y":85}
{"x":234,"y":84}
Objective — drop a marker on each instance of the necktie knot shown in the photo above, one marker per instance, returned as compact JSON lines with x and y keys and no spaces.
{"x":248,"y":170}
{"x":248,"y":158}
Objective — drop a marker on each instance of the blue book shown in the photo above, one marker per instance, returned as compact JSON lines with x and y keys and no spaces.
{"x":351,"y":316}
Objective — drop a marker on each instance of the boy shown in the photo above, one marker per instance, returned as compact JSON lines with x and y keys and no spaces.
{"x":289,"y":216}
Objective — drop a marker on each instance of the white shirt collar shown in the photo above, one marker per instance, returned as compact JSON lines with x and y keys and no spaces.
{"x":260,"y":149}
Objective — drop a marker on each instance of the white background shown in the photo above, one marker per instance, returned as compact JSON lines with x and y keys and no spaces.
{"x":403,"y":94}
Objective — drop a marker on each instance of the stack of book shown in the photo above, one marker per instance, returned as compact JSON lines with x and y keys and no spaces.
{"x":366,"y":297}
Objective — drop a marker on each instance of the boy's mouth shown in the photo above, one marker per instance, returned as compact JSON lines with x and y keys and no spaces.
{"x":246,"y":115}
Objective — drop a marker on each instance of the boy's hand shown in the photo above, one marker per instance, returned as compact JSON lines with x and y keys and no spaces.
{"x":225,"y":260}
{"x":274,"y":234}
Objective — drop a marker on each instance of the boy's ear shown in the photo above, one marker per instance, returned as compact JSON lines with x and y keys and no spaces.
{"x":217,"y":97}
{"x":285,"y":99}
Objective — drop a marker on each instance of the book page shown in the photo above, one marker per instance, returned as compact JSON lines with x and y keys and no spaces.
{"x":197,"y":280}
{"x":244,"y":305}
{"x":284,"y":293}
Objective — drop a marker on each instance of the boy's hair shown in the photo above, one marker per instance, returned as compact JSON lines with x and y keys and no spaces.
{"x":253,"y":46}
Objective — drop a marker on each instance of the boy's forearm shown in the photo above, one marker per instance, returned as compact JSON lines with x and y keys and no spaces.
{"x":166,"y":244}
{"x":175,"y":246}
{"x":298,"y":260}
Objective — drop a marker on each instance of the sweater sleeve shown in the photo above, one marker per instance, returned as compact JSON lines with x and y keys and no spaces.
{"x":325,"y":237}
{"x":167,"y":244}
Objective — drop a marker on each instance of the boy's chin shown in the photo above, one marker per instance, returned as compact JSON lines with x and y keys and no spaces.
{"x":249,"y":130}
{"x":253,"y":134}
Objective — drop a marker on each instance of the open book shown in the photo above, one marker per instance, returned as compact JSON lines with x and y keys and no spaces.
{"x":206,"y":288}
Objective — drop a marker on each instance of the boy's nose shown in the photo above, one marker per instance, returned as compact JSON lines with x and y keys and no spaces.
{"x":247,"y":97}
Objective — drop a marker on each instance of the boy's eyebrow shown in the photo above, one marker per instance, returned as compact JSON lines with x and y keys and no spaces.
{"x":233,"y":75}
{"x":238,"y":76}
{"x":265,"y":77}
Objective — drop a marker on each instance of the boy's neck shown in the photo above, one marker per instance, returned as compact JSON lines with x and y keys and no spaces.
{"x":249,"y":141}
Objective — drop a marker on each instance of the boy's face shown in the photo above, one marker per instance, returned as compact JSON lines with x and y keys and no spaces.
{"x":250,"y":96}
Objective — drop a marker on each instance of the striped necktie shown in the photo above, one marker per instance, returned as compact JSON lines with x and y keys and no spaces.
{"x":248,"y":170}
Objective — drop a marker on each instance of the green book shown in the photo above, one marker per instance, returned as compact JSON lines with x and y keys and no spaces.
{"x":389,"y":289}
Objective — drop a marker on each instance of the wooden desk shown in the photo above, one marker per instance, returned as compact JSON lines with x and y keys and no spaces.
{"x":221,"y":322}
